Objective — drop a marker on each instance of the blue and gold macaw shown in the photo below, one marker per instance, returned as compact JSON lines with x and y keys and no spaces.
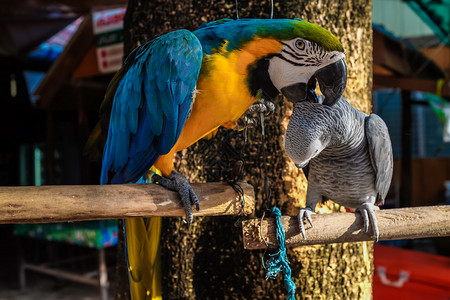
{"x":182,"y":86}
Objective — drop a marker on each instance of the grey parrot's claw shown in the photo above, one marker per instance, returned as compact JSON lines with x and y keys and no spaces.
{"x":366,"y":211}
{"x":365,"y":217}
{"x":304,"y":213}
{"x":178,"y":183}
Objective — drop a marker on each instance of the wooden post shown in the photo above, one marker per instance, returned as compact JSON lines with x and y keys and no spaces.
{"x":406,"y":177}
{"x":402,"y":223}
{"x":64,"y":203}
{"x":49,"y":161}
{"x":102,"y":274}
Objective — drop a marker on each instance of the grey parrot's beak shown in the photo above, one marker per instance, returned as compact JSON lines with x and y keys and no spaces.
{"x":302,"y":165}
{"x":332,"y":81}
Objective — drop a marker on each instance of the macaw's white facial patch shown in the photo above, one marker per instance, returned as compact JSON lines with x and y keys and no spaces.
{"x":297,"y":62}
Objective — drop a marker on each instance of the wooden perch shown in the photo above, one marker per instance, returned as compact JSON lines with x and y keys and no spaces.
{"x":47,"y":204}
{"x":401,"y":223}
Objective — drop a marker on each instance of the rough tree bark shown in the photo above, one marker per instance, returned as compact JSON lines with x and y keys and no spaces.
{"x":207,"y":260}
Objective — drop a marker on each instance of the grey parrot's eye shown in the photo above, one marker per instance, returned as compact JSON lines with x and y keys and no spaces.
{"x":300,"y":44}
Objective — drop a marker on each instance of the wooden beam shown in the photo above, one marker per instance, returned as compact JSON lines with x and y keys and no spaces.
{"x":390,"y":53}
{"x":50,"y":8}
{"x":64,"y":66}
{"x":401,"y":223}
{"x":406,"y":159}
{"x":63,"y":274}
{"x":89,"y":65}
{"x":410,"y":84}
{"x":65,"y":203}
{"x":398,"y":57}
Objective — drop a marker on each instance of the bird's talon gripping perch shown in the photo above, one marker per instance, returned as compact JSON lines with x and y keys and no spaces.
{"x":305,"y":213}
{"x":181,"y":86}
{"x":178,"y":183}
{"x":349,"y":154}
{"x":365,"y":217}
{"x":249,"y":120}
{"x":366,"y":210}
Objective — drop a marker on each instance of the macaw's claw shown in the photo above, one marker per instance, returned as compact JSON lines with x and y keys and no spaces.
{"x":261,"y":106}
{"x":178,"y":183}
{"x":304,"y":213}
{"x":250,"y":118}
{"x":366,"y":211}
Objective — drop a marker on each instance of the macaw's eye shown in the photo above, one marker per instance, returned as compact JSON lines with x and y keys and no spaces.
{"x":300,"y":44}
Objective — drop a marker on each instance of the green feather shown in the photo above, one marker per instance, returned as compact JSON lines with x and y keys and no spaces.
{"x":319,"y":35}
{"x":241,"y":31}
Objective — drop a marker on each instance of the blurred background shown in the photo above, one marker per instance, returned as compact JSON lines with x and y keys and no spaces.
{"x":57,"y":58}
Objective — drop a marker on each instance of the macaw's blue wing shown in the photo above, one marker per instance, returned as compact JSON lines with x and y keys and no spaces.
{"x":151,"y":105}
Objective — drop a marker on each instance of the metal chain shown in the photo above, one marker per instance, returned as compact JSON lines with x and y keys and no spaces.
{"x":238,"y":172}
{"x":267,"y":195}
{"x":267,"y":189}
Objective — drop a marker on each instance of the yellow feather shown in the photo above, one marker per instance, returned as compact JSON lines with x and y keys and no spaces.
{"x":211,"y":134}
{"x":143,"y":254}
{"x":222,"y":99}
{"x":223,"y":94}
{"x":144,"y":257}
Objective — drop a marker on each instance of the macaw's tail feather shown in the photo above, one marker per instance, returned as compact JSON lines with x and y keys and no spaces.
{"x":144,"y":263}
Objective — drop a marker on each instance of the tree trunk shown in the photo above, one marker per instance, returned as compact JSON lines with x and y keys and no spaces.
{"x":207,"y":260}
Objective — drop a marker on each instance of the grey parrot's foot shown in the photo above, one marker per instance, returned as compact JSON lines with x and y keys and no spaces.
{"x":366,"y":211}
{"x":178,"y":183}
{"x":305,"y":213}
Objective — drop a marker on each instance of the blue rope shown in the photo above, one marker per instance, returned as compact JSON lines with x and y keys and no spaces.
{"x":279,"y":260}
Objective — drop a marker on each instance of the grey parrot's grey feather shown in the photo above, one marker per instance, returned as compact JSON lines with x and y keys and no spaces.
{"x":380,"y":152}
{"x":349,"y":155}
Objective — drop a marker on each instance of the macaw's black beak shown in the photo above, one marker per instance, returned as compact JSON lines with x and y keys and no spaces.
{"x":301,"y":91}
{"x":295,"y":92}
{"x":332,"y":81}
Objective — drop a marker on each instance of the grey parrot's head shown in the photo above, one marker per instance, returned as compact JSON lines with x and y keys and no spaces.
{"x":308,"y":133}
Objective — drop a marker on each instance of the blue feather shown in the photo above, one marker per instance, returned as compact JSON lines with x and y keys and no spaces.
{"x":151,"y":105}
{"x":144,"y":135}
{"x":213,"y":35}
{"x":137,"y":163}
{"x":168,"y":136}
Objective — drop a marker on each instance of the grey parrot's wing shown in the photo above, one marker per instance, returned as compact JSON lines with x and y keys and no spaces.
{"x":380,"y":150}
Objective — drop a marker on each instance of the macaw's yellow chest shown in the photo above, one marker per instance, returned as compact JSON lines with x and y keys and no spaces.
{"x":223,"y":88}
{"x":223,"y":93}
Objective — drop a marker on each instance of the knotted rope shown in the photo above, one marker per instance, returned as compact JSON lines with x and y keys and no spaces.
{"x":279,"y":261}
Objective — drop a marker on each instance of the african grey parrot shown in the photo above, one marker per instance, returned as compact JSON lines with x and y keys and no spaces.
{"x":349,"y":155}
